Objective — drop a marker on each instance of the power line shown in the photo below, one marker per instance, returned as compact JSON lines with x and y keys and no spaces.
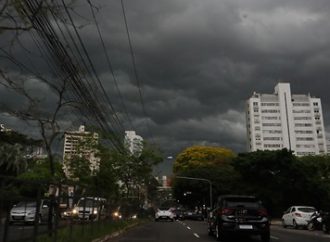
{"x":135,"y":68}
{"x":110,"y":65}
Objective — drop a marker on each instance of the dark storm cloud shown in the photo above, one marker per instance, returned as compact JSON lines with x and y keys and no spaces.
{"x":198,"y":61}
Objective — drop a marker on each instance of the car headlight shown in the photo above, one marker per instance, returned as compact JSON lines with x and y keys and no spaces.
{"x":74,"y":211}
{"x":65,"y":213}
{"x":134,"y":216}
{"x":95,"y":212}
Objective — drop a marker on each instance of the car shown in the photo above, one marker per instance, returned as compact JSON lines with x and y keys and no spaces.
{"x":90,"y":208}
{"x":164,"y":213}
{"x":194,"y":215}
{"x":297,"y":216}
{"x":25,"y":212}
{"x":179,"y":214}
{"x":239,"y":215}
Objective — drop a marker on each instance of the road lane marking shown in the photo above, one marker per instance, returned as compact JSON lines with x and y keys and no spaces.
{"x":196,"y":235}
{"x":188,"y":227}
{"x":274,"y":237}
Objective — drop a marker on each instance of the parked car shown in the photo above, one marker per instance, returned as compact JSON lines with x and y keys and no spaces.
{"x":179,"y":213}
{"x":90,"y":208}
{"x":194,"y":215}
{"x":26,"y":212}
{"x":235,"y":214}
{"x":297,"y":216}
{"x":164,"y":213}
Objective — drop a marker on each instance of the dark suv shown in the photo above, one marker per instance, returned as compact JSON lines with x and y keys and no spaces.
{"x":235,"y":214}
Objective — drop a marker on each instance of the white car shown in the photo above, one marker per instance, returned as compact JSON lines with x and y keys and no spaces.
{"x":164,"y":213}
{"x":297,"y":216}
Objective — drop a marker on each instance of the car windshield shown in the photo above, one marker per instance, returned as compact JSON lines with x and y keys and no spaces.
{"x":306,"y":209}
{"x":88,"y":203}
{"x":26,"y":204}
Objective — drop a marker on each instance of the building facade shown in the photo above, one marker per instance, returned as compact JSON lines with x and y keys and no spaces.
{"x":80,"y":143}
{"x":284,"y":120}
{"x":133,"y":142}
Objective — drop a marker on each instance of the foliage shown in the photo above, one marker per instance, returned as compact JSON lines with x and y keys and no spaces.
{"x":205,"y":162}
{"x":37,"y":177}
{"x":192,"y":193}
{"x":280,"y":179}
{"x":135,"y":171}
{"x":202,"y":156}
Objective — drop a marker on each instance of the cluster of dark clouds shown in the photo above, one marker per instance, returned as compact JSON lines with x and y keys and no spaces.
{"x":199,"y":61}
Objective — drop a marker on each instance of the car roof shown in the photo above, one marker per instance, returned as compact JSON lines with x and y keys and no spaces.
{"x":303,"y":207}
{"x":236,"y":196}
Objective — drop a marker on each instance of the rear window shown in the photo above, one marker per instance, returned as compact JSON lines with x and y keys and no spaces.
{"x":306,"y":210}
{"x":242,"y":202}
{"x":164,"y":208}
{"x":88,"y":203}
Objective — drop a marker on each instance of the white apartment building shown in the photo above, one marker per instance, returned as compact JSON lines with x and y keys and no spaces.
{"x":80,"y":143}
{"x":284,"y":120}
{"x":133,"y":142}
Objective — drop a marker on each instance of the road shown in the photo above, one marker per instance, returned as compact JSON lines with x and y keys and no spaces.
{"x":190,"y":231}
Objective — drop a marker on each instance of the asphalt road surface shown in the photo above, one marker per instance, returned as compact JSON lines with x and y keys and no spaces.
{"x":190,"y":231}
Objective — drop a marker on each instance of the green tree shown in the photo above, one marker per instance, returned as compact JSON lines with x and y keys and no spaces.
{"x":38,"y":176}
{"x":13,"y":159}
{"x":281,"y":179}
{"x":206,"y":162}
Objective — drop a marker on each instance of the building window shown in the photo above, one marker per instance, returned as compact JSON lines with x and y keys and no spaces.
{"x":303,"y":125}
{"x":305,"y":139}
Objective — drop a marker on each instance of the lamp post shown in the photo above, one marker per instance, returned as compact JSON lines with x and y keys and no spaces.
{"x":199,"y":179}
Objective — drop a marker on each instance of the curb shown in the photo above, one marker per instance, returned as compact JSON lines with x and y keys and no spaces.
{"x":117,"y":233}
{"x":276,"y":222}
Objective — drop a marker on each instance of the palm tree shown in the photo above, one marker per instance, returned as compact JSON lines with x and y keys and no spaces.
{"x":13,"y":160}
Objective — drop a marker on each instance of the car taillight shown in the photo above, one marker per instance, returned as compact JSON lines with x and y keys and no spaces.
{"x":297,"y":214}
{"x":263,"y":212}
{"x":226,"y":211}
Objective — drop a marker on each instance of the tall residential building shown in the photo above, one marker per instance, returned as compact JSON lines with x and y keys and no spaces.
{"x":80,"y":143}
{"x":284,"y":120}
{"x":133,"y":142}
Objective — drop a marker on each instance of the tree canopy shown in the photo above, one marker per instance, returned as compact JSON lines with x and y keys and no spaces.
{"x":202,"y":156}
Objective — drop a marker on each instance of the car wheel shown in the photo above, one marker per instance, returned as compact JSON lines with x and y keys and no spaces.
{"x":294,"y":224}
{"x":210,"y":232}
{"x":310,"y":226}
{"x":283,"y":224}
{"x":325,"y":228}
{"x":156,"y":220}
{"x":265,"y":237}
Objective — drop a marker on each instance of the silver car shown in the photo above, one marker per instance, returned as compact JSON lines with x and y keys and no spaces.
{"x":25,"y":212}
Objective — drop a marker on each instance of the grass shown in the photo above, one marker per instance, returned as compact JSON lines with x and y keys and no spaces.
{"x":90,"y":231}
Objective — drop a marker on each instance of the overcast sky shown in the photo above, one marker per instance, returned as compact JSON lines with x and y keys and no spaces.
{"x":199,"y":61}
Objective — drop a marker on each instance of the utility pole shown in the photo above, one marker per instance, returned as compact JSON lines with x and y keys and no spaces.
{"x":199,"y":179}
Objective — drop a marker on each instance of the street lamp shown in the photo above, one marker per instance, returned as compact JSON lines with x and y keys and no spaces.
{"x":199,"y":179}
